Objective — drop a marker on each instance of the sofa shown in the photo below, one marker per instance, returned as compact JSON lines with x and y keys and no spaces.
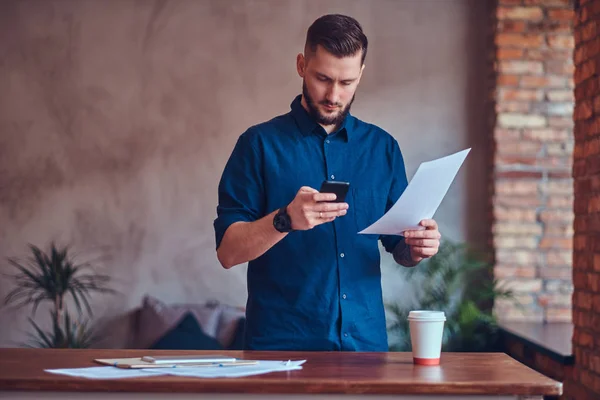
{"x":181,"y":326}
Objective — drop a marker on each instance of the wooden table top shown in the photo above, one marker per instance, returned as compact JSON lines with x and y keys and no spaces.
{"x":324,"y":372}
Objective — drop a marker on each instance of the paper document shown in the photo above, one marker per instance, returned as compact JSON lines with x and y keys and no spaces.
{"x":422,"y":196}
{"x":263,"y":367}
{"x":106,"y":372}
{"x":217,"y":371}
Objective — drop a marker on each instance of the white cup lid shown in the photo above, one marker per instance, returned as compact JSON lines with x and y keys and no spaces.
{"x":423,"y":315}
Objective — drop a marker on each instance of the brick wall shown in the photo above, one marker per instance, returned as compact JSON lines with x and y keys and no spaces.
{"x":584,"y":384}
{"x":533,"y":145}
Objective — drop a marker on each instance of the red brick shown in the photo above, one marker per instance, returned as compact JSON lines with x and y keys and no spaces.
{"x":561,"y":14}
{"x":565,"y":202}
{"x":560,"y":122}
{"x":559,"y":67}
{"x":512,"y":107}
{"x":521,"y":285}
{"x":518,"y":257}
{"x":557,"y":187}
{"x":559,"y":230}
{"x":524,"y":13}
{"x":597,"y":262}
{"x":583,"y":339}
{"x":561,"y":95}
{"x":583,"y":110}
{"x":508,"y":272}
{"x":513,"y":120}
{"x":510,"y":54}
{"x":559,"y":175}
{"x":521,"y":67}
{"x":561,"y":42}
{"x":523,"y":40}
{"x":546,"y":135}
{"x":519,"y":175}
{"x":563,"y":216}
{"x":515,"y":242}
{"x":547,"y":81}
{"x":583,"y":71}
{"x":547,"y":3}
{"x":520,"y":95}
{"x":508,"y":80}
{"x":582,"y":300}
{"x":517,"y":229}
{"x":556,"y":273}
{"x":556,"y":243}
{"x":510,"y":2}
{"x":558,"y":314}
{"x":588,"y":31}
{"x":580,"y":280}
{"x":521,"y":147}
{"x":517,"y":201}
{"x":508,"y":26}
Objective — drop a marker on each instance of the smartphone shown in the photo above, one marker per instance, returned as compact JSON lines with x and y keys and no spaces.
{"x":339,"y":188}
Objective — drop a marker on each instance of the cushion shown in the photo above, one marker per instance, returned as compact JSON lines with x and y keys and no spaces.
{"x":229,"y":321}
{"x":187,"y":335}
{"x":238,"y":339}
{"x":156,"y":318}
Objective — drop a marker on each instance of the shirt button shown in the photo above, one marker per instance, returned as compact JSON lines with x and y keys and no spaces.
{"x":327,"y":141}
{"x":345,"y":335}
{"x":332,"y":177}
{"x":342,"y":255}
{"x":344,"y":296}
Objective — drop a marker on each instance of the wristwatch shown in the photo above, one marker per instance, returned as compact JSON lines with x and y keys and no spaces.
{"x":282,"y":221}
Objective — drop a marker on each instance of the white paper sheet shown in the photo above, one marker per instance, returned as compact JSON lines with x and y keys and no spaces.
{"x":422,"y":196}
{"x":263,"y":367}
{"x":106,"y":372}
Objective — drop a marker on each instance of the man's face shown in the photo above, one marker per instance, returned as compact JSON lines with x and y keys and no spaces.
{"x":329,"y":85}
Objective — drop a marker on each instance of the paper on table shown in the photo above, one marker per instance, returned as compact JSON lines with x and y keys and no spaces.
{"x":226,"y":371}
{"x":106,"y":372}
{"x":262,"y":367}
{"x":422,"y":196}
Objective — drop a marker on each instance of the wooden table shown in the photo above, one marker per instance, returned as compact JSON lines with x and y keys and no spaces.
{"x":325,"y":375}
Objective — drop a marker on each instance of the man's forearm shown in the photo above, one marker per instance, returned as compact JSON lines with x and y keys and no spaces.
{"x":245,"y":241}
{"x":402,"y":255}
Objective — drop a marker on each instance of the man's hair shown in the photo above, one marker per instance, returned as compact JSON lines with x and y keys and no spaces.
{"x":340,"y":35}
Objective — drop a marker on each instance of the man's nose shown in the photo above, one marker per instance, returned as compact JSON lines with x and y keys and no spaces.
{"x":333,"y":94}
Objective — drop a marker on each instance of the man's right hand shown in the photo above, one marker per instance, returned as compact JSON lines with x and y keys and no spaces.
{"x":311,"y":208}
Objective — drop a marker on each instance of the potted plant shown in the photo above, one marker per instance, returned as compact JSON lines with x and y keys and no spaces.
{"x":459,"y":282}
{"x":56,"y":277}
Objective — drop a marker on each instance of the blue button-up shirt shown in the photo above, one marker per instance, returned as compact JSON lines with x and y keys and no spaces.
{"x":318,"y":289}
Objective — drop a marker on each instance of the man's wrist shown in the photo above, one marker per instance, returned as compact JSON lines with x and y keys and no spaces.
{"x":403,"y":255}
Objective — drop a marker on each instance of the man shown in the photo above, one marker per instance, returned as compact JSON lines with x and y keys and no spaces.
{"x":313,"y":282}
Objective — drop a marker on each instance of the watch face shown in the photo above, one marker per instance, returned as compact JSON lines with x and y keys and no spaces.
{"x":282,"y":221}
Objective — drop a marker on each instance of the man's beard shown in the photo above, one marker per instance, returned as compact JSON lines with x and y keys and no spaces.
{"x":314,"y":112}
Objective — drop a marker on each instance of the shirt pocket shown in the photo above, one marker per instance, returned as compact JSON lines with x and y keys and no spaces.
{"x":369,"y":206}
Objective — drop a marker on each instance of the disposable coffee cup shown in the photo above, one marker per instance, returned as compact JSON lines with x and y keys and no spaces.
{"x":426,"y":331}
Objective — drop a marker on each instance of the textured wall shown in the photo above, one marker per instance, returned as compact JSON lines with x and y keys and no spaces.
{"x":117,"y":117}
{"x":584,"y":381}
{"x":533,"y":202}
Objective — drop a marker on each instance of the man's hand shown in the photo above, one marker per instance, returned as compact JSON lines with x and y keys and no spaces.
{"x":311,"y":208}
{"x":423,"y":243}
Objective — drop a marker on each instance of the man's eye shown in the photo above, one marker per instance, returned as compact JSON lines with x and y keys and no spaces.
{"x":346,"y":83}
{"x":322,"y":78}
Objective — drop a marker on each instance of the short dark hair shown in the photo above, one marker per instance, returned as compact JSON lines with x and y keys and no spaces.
{"x":340,"y":35}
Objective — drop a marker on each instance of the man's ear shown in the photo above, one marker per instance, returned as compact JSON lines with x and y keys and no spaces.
{"x":300,"y":64}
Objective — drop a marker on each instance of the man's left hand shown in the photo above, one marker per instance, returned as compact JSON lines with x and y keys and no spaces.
{"x":423,"y":243}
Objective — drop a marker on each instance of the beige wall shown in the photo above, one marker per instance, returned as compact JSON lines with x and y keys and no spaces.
{"x":117,"y":117}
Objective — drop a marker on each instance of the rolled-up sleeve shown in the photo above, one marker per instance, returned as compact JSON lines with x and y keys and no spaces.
{"x":241,"y":193}
{"x":399,"y":184}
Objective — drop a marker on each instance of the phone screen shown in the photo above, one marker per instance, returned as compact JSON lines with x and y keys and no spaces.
{"x":339,"y":188}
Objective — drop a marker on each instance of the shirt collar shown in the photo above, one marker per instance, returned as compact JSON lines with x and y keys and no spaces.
{"x":308,"y":125}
